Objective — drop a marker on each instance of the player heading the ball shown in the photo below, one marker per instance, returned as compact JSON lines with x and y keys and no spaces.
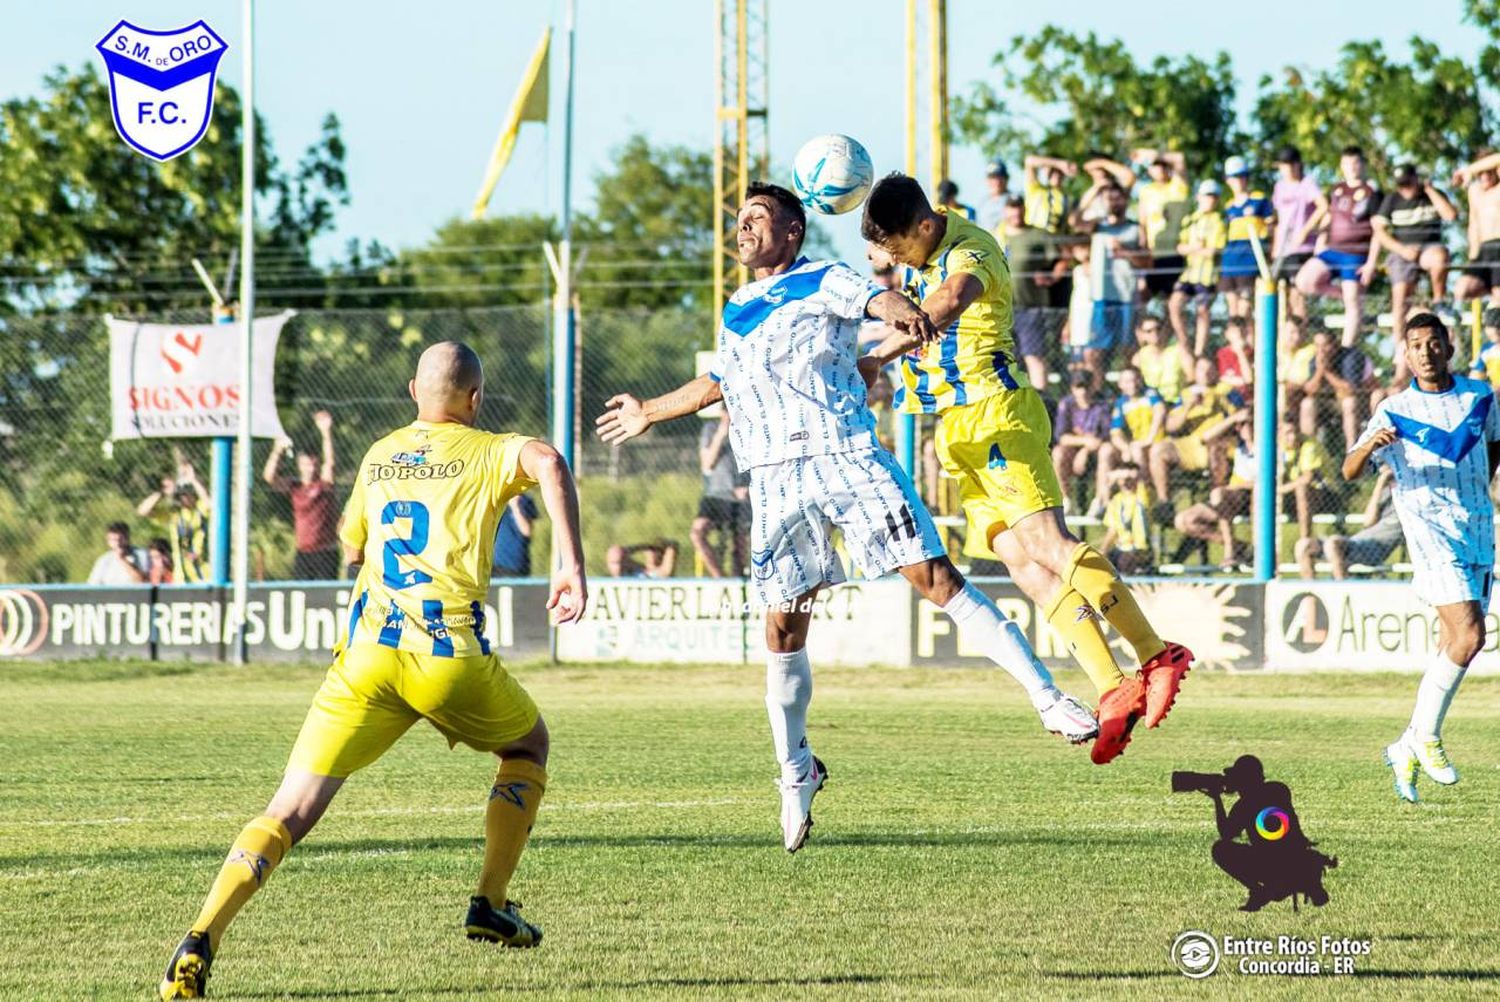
{"x":788,"y":371}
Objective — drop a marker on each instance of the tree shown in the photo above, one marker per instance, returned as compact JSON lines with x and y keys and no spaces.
{"x":89,"y":224}
{"x":1429,"y":109}
{"x":1093,"y":96}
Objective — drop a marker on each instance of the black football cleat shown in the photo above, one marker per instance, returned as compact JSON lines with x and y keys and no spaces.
{"x":500,"y":925}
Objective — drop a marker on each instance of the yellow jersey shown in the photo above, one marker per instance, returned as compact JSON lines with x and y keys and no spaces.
{"x":1046,"y":207}
{"x":1310,"y":457}
{"x":424,"y":510}
{"x":1487,"y":365}
{"x":1206,"y":230}
{"x":974,"y":358}
{"x":1134,"y":416}
{"x":1157,"y":203}
{"x":1126,"y":516}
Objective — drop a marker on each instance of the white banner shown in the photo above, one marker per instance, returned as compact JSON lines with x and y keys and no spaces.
{"x":639,"y":619}
{"x":1360,"y":626}
{"x":181,"y":380}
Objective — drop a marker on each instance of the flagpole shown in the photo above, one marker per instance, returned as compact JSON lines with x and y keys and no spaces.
{"x":564,"y":341}
{"x":247,"y":319}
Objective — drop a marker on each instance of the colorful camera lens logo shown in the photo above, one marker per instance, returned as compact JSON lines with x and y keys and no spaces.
{"x":1272,"y":824}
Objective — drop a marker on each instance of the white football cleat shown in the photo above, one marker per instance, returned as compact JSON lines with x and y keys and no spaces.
{"x":1070,"y":718}
{"x":1403,"y":763}
{"x":1433,"y":759}
{"x":796,"y":804}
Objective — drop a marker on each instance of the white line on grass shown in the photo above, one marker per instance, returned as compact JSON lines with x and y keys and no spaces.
{"x":376,"y":812}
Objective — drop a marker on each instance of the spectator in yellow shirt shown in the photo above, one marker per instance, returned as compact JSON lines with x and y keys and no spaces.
{"x":1046,"y":202}
{"x":1202,"y":239}
{"x":182,"y":506}
{"x":1307,"y":472}
{"x":1126,"y":541}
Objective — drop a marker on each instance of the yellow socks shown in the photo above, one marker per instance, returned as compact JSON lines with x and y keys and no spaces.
{"x":1077,"y":624}
{"x":263,"y":844}
{"x":507,"y":822}
{"x":1097,"y":581}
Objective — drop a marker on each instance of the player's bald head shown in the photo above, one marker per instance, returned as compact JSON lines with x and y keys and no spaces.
{"x":449,"y":380}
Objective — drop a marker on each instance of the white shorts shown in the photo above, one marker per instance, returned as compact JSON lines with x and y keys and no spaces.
{"x":1449,"y":584}
{"x":796,"y":504}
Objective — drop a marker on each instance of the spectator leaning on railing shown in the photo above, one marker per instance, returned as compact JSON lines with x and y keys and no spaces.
{"x":1161,"y":205}
{"x":1201,"y":240}
{"x":315,"y":505}
{"x":1409,"y":225}
{"x":1247,"y":218}
{"x":1115,"y":253}
{"x":1481,"y":181}
{"x":120,"y":563}
{"x":1346,"y":247}
{"x":658,"y":560}
{"x":182,"y":507}
{"x":1030,"y":251}
{"x":1295,"y":198}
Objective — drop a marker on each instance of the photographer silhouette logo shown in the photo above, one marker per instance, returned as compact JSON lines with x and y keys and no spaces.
{"x":1196,"y":954}
{"x":1260,"y":841}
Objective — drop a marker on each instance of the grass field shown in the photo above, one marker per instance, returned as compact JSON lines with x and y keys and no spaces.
{"x":959,"y":852}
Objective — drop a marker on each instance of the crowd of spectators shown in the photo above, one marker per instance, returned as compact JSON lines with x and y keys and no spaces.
{"x":1134,"y":305}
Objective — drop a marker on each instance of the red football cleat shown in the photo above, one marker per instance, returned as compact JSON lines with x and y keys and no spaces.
{"x":1119,"y":709}
{"x":1163,"y":675}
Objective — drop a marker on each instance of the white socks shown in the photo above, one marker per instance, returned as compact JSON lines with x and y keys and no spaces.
{"x":788,"y":693}
{"x":1434,"y":696}
{"x":1002,"y":641}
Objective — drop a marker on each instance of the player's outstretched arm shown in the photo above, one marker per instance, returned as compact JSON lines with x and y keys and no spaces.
{"x":569,"y":593}
{"x":628,"y":417}
{"x":911,"y":327}
{"x":1354,"y":462}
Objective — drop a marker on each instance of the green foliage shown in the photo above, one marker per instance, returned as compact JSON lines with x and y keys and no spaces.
{"x":73,"y":223}
{"x":1429,"y":109}
{"x":1094,"y":96}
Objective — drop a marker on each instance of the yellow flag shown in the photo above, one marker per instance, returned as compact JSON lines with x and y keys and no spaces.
{"x":529,"y":105}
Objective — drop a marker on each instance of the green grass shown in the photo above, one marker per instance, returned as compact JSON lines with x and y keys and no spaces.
{"x":959,"y":852}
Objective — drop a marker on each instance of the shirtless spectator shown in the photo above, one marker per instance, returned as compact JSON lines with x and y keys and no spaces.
{"x":1482,"y":275}
{"x":1409,"y":225}
{"x":1347,"y":251}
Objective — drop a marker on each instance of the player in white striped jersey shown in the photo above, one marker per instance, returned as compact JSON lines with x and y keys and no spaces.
{"x":788,"y":372}
{"x":1440,"y":437}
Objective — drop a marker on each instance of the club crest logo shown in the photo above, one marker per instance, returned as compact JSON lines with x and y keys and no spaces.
{"x":161,"y":85}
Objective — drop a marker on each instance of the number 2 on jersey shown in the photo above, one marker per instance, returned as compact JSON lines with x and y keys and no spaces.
{"x":397,"y":547}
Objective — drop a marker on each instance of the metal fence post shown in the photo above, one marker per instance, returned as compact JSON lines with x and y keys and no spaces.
{"x":1265,"y":431}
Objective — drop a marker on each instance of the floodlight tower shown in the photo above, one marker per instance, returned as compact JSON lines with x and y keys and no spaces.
{"x":742,"y":150}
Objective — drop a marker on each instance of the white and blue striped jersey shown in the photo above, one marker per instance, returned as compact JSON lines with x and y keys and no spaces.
{"x":1440,"y":460}
{"x":787,"y":365}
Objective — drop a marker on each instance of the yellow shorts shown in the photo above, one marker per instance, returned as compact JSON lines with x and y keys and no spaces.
{"x":1000,"y":450}
{"x":372,"y":694}
{"x":1192,"y":452}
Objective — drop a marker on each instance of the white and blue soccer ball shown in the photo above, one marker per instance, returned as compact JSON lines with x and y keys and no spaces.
{"x":832,"y":174}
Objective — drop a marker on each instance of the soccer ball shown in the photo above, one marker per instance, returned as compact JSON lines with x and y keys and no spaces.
{"x":832,"y":174}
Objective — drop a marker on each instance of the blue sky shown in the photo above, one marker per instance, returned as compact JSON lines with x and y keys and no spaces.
{"x":421,"y":88}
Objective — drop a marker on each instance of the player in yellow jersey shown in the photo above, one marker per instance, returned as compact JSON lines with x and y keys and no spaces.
{"x":994,"y":437}
{"x":421,"y":520}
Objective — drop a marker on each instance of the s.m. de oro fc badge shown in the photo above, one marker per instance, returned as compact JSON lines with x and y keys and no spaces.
{"x":161,"y":85}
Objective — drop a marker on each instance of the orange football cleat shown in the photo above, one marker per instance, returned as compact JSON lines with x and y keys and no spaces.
{"x":1163,"y":675}
{"x":1119,"y":709}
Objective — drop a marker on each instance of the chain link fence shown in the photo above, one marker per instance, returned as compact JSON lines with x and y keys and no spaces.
{"x":62,"y":481}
